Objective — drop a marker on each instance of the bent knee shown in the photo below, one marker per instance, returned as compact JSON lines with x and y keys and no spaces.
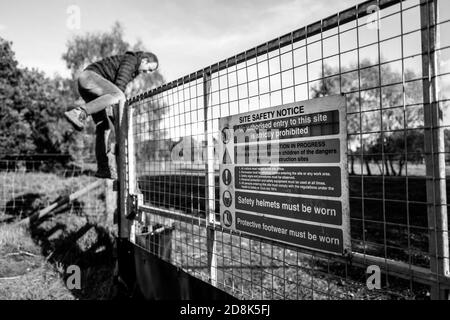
{"x":119,"y":96}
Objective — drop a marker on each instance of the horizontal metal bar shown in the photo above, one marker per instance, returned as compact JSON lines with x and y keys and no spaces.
{"x":173,"y":215}
{"x":242,"y":267}
{"x":401,"y":269}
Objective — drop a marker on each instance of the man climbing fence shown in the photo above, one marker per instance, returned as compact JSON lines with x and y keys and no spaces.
{"x":101,"y":85}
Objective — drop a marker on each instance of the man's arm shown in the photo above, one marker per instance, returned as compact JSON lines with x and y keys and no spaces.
{"x":126,"y":71}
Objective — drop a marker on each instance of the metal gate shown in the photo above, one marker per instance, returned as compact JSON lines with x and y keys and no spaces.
{"x":388,"y":59}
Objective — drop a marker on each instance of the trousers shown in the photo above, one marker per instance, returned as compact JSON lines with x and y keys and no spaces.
{"x":99,"y":94}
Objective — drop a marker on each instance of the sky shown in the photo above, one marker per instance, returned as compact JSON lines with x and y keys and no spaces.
{"x":185,"y":35}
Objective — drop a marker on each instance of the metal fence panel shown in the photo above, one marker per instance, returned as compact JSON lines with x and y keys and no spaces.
{"x":389,"y":61}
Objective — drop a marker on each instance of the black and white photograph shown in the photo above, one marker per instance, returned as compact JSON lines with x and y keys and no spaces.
{"x":225,"y":156}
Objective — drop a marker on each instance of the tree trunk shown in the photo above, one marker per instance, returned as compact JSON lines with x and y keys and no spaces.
{"x":391,"y":164}
{"x":369,"y":173}
{"x":387,"y":173}
{"x":400,"y":167}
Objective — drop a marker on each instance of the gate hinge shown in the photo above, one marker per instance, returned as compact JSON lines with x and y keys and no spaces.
{"x":135,"y":201}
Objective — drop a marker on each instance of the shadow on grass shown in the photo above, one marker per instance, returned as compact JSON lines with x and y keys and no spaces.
{"x":69,"y":236}
{"x":90,"y":247}
{"x":22,"y":206}
{"x":27,"y":204}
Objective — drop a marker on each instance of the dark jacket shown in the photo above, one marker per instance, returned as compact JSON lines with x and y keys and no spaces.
{"x":119,"y":69}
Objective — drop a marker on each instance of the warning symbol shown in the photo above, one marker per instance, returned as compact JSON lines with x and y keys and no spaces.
{"x":226,"y":177}
{"x":226,"y":158}
{"x":226,"y":135}
{"x":227,"y":198}
{"x":227,"y":218}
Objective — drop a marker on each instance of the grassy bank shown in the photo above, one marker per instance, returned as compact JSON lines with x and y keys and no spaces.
{"x":34,"y":260}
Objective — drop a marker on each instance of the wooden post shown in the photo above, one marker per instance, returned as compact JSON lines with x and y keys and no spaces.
{"x":434,"y":152}
{"x":110,"y":202}
{"x":133,"y":189}
{"x":209,"y":185}
{"x":131,"y":156}
{"x":121,"y":130}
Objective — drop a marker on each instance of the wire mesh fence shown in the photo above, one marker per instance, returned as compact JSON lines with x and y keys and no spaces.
{"x":77,"y":228}
{"x":29,"y":183}
{"x":391,"y":61}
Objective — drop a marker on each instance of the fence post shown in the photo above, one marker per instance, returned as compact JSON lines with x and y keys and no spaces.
{"x":434,"y":152}
{"x":209,"y":184}
{"x":133,"y":189}
{"x":110,"y":202}
{"x":121,"y":128}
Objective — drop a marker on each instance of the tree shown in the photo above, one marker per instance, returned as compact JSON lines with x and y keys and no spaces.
{"x":390,"y":145}
{"x":15,"y":135}
{"x":31,"y":113}
{"x":83,"y":50}
{"x":29,"y":109}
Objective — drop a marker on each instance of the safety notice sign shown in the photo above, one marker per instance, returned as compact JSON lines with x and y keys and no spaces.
{"x":283,"y":174}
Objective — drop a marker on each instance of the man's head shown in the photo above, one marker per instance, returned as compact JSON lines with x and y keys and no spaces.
{"x":149,"y":62}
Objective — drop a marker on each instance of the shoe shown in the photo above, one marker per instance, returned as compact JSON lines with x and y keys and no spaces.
{"x":106,"y":172}
{"x":77,"y":117}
